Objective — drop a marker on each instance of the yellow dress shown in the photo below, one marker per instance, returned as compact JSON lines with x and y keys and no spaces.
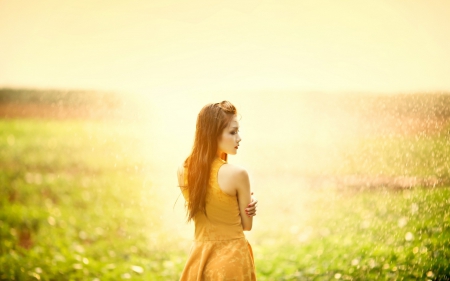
{"x":220,"y":250}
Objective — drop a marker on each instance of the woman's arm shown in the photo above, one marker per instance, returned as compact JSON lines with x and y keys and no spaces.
{"x":244,"y":197}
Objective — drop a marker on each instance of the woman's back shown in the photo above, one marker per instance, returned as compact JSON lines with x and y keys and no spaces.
{"x":222,"y":220}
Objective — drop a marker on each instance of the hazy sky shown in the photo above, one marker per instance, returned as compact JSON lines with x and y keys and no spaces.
{"x":205,"y":45}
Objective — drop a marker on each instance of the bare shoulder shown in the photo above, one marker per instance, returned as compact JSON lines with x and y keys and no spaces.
{"x":234,"y":172}
{"x":232,"y":179}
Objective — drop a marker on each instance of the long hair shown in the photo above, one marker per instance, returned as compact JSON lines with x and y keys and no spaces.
{"x":211,"y":121}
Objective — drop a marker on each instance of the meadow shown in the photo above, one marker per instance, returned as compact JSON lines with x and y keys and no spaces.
{"x":79,"y":201}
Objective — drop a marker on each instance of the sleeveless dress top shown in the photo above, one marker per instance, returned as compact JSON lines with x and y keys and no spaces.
{"x":220,"y":250}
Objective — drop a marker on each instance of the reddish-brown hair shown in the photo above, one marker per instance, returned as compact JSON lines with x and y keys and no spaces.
{"x":211,"y":121}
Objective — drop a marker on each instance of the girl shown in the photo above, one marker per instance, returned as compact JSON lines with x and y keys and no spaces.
{"x":218,"y":199}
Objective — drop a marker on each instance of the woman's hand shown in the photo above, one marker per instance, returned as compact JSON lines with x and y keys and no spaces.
{"x":251,"y":208}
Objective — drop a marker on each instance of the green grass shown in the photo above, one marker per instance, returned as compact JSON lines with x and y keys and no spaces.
{"x":71,"y":204}
{"x":370,"y":235}
{"x":419,"y":155}
{"x":74,"y":206}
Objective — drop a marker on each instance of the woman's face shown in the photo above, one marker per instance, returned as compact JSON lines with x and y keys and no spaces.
{"x":229,"y":140}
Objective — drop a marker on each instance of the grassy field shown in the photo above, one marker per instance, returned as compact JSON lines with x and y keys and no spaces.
{"x":78,"y":201}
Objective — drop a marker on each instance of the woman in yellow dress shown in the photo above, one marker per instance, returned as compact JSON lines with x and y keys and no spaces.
{"x":218,"y":200}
